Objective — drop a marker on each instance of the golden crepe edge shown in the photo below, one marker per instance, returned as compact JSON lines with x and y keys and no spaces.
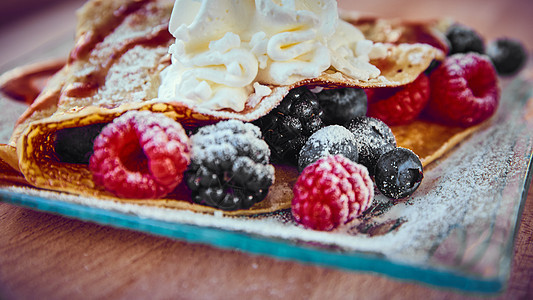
{"x":31,"y":152}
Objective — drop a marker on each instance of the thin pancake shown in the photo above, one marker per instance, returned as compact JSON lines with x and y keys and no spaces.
{"x":115,"y":67}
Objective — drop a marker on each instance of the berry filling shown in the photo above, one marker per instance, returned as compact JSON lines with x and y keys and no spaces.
{"x":464,"y":39}
{"x":341,"y":105}
{"x":399,"y":105}
{"x":464,"y":90}
{"x":508,"y":55}
{"x":140,"y":155}
{"x":287,"y":127}
{"x":229,"y":166}
{"x":330,"y":193}
{"x":398,"y":173}
{"x":339,"y":139}
{"x":330,"y":140}
{"x":75,"y":145}
{"x":373,"y":138}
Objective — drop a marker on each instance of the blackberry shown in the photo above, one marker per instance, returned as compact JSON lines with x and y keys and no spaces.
{"x":373,"y":137}
{"x":341,"y":105}
{"x":464,"y":39}
{"x":75,"y":145}
{"x":288,"y":126}
{"x":229,"y":167}
{"x":330,"y":140}
{"x":508,"y":55}
{"x":398,"y":173}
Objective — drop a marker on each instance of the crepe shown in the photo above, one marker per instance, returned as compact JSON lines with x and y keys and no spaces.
{"x":122,"y":46}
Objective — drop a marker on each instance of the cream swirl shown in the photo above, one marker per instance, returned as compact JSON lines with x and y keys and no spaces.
{"x":226,"y":49}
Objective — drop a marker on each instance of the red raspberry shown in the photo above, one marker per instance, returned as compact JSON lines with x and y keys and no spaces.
{"x":140,"y":155}
{"x":399,"y":105}
{"x":331,"y":192}
{"x":464,"y":90}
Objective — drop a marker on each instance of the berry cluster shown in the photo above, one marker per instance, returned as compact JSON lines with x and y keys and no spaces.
{"x":460,"y":91}
{"x":507,"y":54}
{"x":146,"y":155}
{"x":303,"y":112}
{"x":340,"y":140}
{"x":365,"y":142}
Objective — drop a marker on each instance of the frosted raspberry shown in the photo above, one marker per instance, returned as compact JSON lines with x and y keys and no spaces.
{"x":331,"y":192}
{"x":399,"y":105}
{"x":464,"y":90}
{"x":140,"y":155}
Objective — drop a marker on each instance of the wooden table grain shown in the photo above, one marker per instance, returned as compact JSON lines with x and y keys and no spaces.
{"x":47,"y":256}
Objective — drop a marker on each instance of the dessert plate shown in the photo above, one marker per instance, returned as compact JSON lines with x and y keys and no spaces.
{"x":456,"y":231}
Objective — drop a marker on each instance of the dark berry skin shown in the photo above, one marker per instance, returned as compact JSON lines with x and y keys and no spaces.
{"x":508,"y":56}
{"x":464,"y":39}
{"x":432,"y":66}
{"x":398,"y":173}
{"x":341,"y":105}
{"x":374,"y":138}
{"x":330,"y":140}
{"x":288,"y":126}
{"x":229,"y":167}
{"x":75,"y":145}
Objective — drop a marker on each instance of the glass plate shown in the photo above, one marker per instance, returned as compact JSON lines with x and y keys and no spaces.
{"x":456,"y":231}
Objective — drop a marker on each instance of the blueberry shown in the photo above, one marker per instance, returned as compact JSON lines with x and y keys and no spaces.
{"x":373,"y":138}
{"x":330,"y":140}
{"x":508,"y":55}
{"x":75,"y":145}
{"x":398,"y":173}
{"x":341,"y":105}
{"x":464,"y":39}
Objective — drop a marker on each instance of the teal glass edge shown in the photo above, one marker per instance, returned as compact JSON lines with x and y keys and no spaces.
{"x":252,"y":244}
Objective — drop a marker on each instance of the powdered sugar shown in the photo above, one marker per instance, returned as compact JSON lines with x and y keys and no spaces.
{"x":224,"y":140}
{"x":7,"y":122}
{"x":468,"y":200}
{"x":330,"y":140}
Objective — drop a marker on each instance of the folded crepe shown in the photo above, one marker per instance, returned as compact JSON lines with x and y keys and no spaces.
{"x":121,"y":48}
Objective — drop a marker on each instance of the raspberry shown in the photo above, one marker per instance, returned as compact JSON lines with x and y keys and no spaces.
{"x":330,"y":193}
{"x":140,"y":155}
{"x":464,"y":90}
{"x":399,"y":105}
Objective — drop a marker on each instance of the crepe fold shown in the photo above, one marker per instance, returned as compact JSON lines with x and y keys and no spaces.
{"x":121,"y":48}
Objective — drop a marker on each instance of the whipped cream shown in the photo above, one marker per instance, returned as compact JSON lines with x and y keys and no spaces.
{"x":227,"y":50}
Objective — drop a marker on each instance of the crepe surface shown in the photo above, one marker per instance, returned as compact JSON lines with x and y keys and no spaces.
{"x":115,"y":65}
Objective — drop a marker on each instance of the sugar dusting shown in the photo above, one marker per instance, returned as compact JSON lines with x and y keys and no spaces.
{"x":330,"y":140}
{"x":472,"y":189}
{"x":7,"y":122}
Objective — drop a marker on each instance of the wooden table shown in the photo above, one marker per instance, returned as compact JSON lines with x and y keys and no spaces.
{"x":52,"y":257}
